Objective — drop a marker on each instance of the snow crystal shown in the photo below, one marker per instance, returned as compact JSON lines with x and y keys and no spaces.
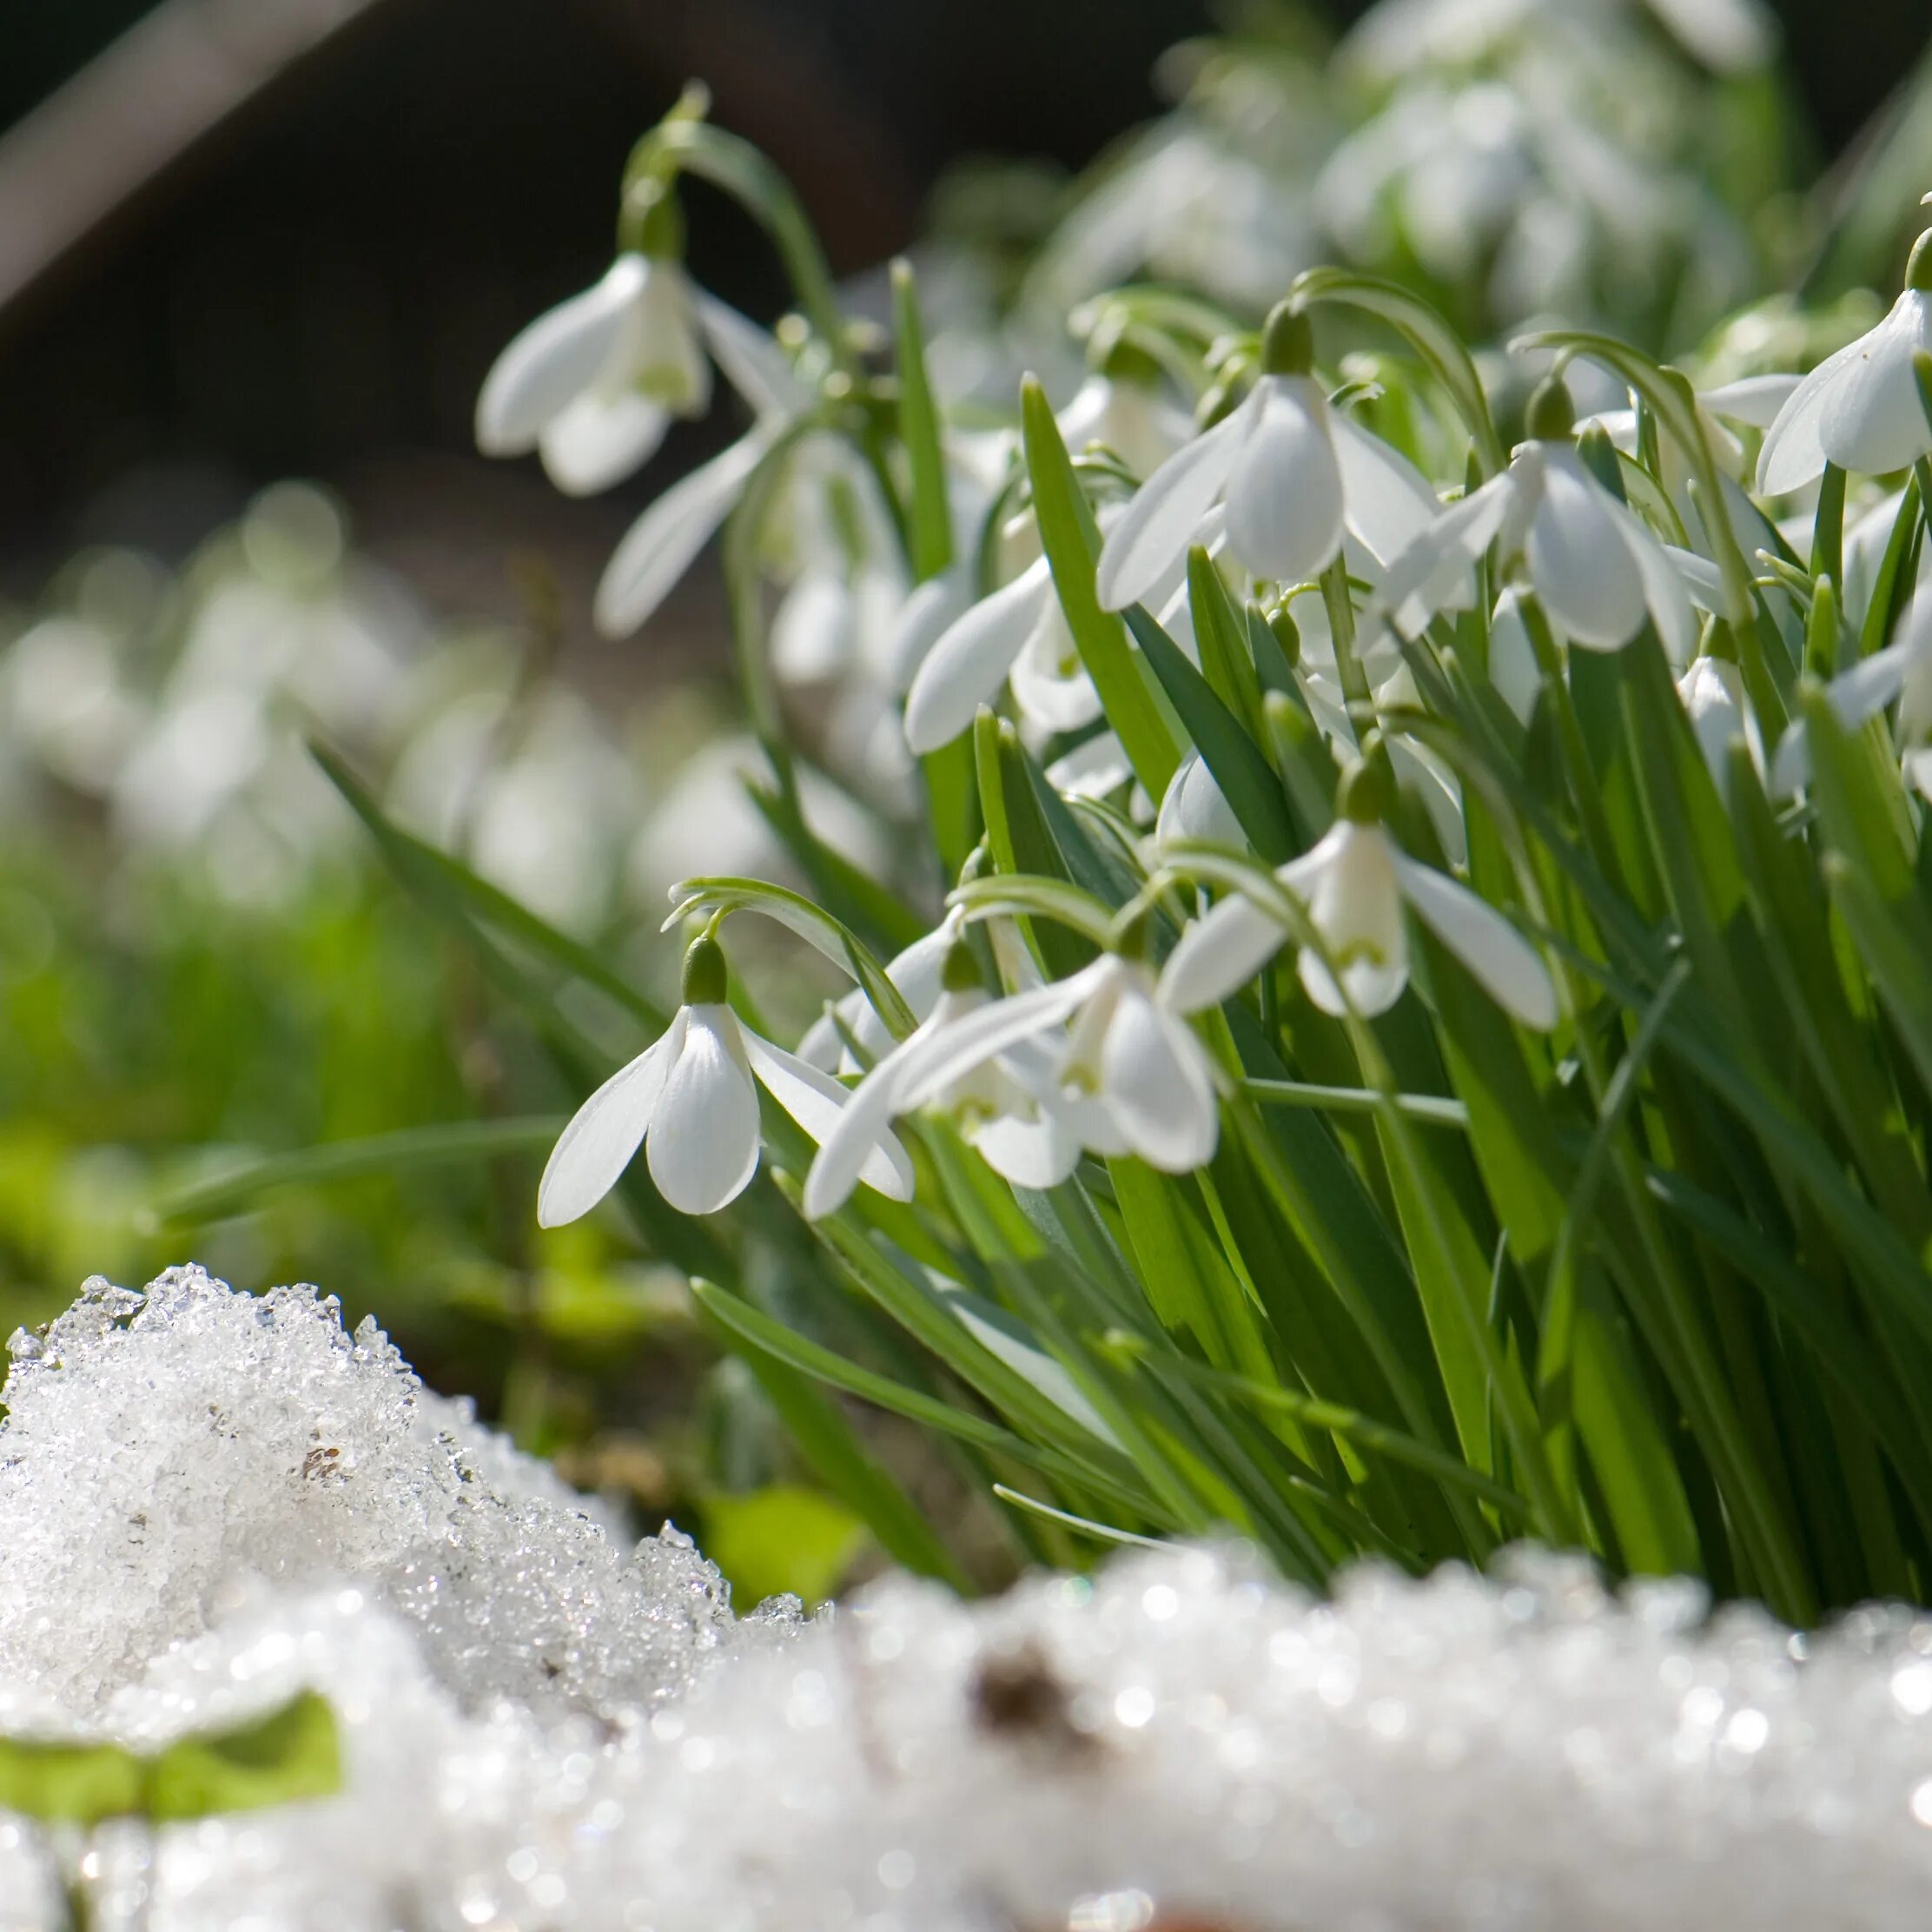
{"x":1181,"y":1738}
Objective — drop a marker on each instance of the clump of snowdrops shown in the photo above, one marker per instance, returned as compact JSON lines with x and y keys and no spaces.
{"x":1418,"y":1034}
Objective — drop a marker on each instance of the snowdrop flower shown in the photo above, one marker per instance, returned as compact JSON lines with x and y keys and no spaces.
{"x":1354,"y":884}
{"x":1101,"y":1057}
{"x":662,"y":544}
{"x":1195,"y":806}
{"x":592,"y":384}
{"x":1018,"y":636}
{"x":1120,"y":407}
{"x":917,"y":973}
{"x":1859,"y":408}
{"x":1901,"y":672}
{"x":1712,"y":691}
{"x":1597,"y":570}
{"x":1293,"y":476}
{"x":689,"y":1100}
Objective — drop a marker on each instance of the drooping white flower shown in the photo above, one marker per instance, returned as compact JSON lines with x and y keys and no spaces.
{"x":1902,"y":671}
{"x":661,"y":544}
{"x":1127,"y":413}
{"x":592,"y":384}
{"x":1597,"y":570}
{"x":1195,"y":806}
{"x":917,"y":974}
{"x":1354,"y":884}
{"x":1712,"y":691}
{"x":1100,"y":1058}
{"x":1291,"y":475}
{"x":690,"y":1101}
{"x":1859,"y":408}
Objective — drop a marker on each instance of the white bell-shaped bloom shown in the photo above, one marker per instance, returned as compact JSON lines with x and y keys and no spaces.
{"x":1291,"y":475}
{"x":1126,"y":415}
{"x":1859,"y":408}
{"x":1355,"y":884}
{"x":690,"y":1101}
{"x":1597,"y":571}
{"x":917,"y":974}
{"x":662,"y":544}
{"x":1101,"y":1055}
{"x":1195,"y":806}
{"x":592,"y":384}
{"x":1901,"y":672}
{"x":1712,"y":691}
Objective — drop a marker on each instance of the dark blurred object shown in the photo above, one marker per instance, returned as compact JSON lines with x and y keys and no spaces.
{"x":332,"y":215}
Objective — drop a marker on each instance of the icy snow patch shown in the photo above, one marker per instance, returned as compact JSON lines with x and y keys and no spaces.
{"x":545,"y":1735}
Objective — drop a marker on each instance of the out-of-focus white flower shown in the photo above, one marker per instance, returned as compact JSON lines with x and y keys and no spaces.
{"x":1355,"y":884}
{"x":1859,"y":408}
{"x":592,"y":384}
{"x":1126,"y":415}
{"x":1902,"y":671}
{"x":1291,"y":477}
{"x":1712,"y":691}
{"x":689,"y":1100}
{"x":1105,"y":1060}
{"x":661,"y":544}
{"x":1195,"y":806}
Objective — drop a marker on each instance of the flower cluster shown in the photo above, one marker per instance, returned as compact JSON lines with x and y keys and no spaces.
{"x":1319,"y":760}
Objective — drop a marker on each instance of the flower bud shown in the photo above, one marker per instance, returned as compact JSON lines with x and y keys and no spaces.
{"x":705,"y":977}
{"x":1287,"y":342}
{"x":1551,"y":416}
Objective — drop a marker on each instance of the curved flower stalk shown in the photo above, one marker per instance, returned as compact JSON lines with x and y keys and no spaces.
{"x":1354,"y":886}
{"x":1861,"y":408}
{"x":1596,"y":569}
{"x":1292,"y":475}
{"x":1102,"y":1058}
{"x":690,"y":1101}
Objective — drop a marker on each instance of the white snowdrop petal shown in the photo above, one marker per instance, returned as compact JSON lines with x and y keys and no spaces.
{"x":1872,"y":419}
{"x":1582,"y":569}
{"x":965,"y":668}
{"x":1155,"y":1079}
{"x":813,"y":630}
{"x":660,"y":546}
{"x":1871,"y":685}
{"x":1437,"y":565}
{"x":1094,"y":768}
{"x":1756,"y":400}
{"x":814,"y":1100}
{"x":1031,"y":1154}
{"x":1161,"y":521}
{"x":1666,"y":594}
{"x":562,"y":352}
{"x":1285,"y":490}
{"x":1501,"y":959}
{"x":1388,"y":502}
{"x":606,"y":1132}
{"x":1512,"y":667}
{"x":597,"y":440}
{"x":1195,"y":806}
{"x":703,"y":1147}
{"x":922,"y":620}
{"x":1218,"y":954}
{"x":918,"y":1068}
{"x":1048,"y":682}
{"x":1792,"y":455}
{"x":753,"y":363}
{"x":1702,"y":578}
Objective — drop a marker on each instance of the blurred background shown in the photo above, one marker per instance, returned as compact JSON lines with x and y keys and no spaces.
{"x":247,"y":242}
